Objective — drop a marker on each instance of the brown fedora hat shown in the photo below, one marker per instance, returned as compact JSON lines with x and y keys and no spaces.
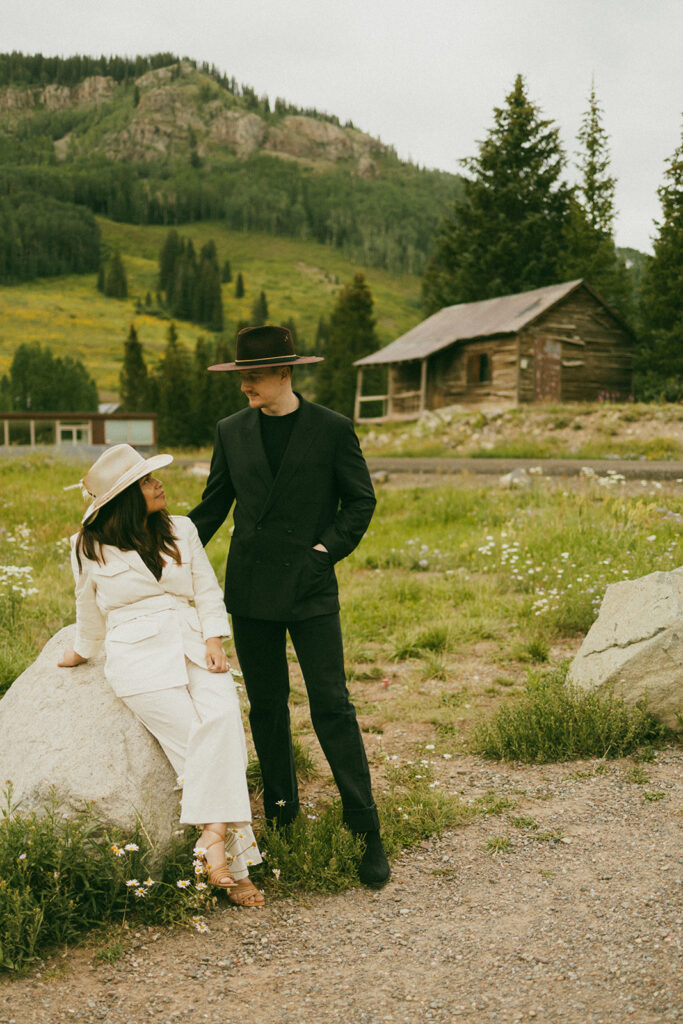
{"x":261,"y":347}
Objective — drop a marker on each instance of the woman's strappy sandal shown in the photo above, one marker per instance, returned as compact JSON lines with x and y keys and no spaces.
{"x":218,"y":875}
{"x":246,"y":894}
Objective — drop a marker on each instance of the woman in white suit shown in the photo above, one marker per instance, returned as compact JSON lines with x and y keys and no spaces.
{"x":145,"y":588}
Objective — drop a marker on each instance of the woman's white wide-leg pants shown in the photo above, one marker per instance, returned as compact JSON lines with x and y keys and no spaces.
{"x":199,"y":727}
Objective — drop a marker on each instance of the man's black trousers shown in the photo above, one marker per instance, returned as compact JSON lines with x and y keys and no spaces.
{"x":262,"y":652}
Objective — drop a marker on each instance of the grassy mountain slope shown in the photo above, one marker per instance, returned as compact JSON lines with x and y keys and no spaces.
{"x":300,"y":278}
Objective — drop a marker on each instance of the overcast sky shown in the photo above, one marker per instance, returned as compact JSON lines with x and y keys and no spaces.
{"x":423,"y":75}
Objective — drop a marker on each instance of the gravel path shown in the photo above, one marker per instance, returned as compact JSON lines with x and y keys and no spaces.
{"x":580,"y":921}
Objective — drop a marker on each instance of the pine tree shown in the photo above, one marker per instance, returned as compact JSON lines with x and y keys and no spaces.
{"x":225,"y":396}
{"x":507,"y":234}
{"x":168,"y":258}
{"x":660,"y":360}
{"x":290,"y":324}
{"x":596,"y":188}
{"x":351,"y":336}
{"x":259,"y":311}
{"x":174,"y":393}
{"x":239,"y":287}
{"x":202,"y":421}
{"x":42,"y":382}
{"x":183,"y":303}
{"x":322,"y":335}
{"x":589,"y":241}
{"x":5,"y":394}
{"x":226,"y":273}
{"x":208,"y":301}
{"x":115,"y":282}
{"x":133,"y":378}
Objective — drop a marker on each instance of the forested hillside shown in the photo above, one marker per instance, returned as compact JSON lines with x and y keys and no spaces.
{"x":162,"y":141}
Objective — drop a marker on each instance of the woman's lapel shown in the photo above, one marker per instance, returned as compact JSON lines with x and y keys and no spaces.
{"x":133,"y":559}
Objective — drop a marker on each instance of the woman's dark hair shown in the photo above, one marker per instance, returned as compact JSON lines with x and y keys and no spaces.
{"x":123,"y":523}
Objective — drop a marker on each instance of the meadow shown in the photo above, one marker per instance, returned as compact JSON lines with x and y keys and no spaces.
{"x":461,"y":608}
{"x":300,"y":279}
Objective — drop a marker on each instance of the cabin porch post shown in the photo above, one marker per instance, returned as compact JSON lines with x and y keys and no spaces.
{"x":423,"y":386}
{"x":359,"y":391}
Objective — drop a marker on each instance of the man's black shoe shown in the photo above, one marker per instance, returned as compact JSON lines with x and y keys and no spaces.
{"x":373,"y":869}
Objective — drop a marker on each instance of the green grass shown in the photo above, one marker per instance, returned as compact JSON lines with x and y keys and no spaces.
{"x":300,"y":278}
{"x":449,"y":589}
{"x":61,"y":877}
{"x":554,"y":721}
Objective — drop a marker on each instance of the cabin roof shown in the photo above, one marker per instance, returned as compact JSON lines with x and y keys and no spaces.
{"x":506,"y":314}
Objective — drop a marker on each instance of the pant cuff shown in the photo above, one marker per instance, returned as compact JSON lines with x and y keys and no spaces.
{"x":364,"y":819}
{"x":282,"y":815}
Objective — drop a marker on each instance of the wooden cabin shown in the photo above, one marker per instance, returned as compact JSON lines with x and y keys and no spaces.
{"x":561,"y":343}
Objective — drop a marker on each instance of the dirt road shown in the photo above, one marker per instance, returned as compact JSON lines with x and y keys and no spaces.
{"x":578,"y":922}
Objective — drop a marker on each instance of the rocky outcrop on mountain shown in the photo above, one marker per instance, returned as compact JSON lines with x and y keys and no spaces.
{"x":16,"y":101}
{"x":178,"y":108}
{"x":97,"y":89}
{"x":244,"y":133}
{"x":308,"y":139}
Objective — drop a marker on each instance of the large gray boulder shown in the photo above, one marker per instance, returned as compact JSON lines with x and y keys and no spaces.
{"x":636,"y":644}
{"x":64,"y":727}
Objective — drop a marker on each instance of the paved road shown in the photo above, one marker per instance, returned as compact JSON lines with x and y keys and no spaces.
{"x":640,"y":469}
{"x":633,"y":469}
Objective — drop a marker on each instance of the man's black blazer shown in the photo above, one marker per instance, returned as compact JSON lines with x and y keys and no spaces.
{"x":321,"y":494}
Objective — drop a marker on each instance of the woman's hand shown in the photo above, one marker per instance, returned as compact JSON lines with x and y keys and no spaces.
{"x":70,"y":658}
{"x":216,"y":660}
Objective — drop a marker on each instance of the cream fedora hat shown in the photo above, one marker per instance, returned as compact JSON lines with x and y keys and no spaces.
{"x":117,"y":468}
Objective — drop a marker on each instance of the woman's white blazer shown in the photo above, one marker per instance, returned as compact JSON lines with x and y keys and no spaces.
{"x":148,"y":626}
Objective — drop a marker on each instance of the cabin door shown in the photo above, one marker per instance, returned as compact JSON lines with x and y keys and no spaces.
{"x":548,"y":370}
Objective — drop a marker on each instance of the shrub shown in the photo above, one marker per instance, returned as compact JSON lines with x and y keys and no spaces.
{"x":554,"y":721}
{"x":61,"y":875}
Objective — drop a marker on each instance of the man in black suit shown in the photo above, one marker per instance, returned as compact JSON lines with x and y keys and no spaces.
{"x":303,"y":500}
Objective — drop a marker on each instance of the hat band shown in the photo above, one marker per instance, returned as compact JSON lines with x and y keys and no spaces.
{"x":267,"y":359}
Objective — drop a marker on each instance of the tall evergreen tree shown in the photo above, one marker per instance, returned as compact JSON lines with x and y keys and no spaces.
{"x":226,"y":273}
{"x":225,"y":396}
{"x":351,"y":336}
{"x":115,"y":281}
{"x":174,"y":392}
{"x":202,"y":422}
{"x":259,"y":311}
{"x":133,"y":378}
{"x":168,"y":258}
{"x":185,"y":282}
{"x":660,"y":360}
{"x":42,"y":382}
{"x":290,"y":324}
{"x":596,"y":187}
{"x":239,"y":287}
{"x":507,"y":234}
{"x":208,"y":301}
{"x":589,"y":241}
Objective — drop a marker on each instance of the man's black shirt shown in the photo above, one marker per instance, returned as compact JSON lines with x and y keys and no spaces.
{"x":275,"y":434}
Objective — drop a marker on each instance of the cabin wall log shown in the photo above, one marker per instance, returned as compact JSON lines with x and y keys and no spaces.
{"x":447,"y":382}
{"x":587,"y":352}
{"x":596,"y":355}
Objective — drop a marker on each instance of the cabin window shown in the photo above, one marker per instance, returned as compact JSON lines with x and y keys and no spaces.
{"x":479,"y":368}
